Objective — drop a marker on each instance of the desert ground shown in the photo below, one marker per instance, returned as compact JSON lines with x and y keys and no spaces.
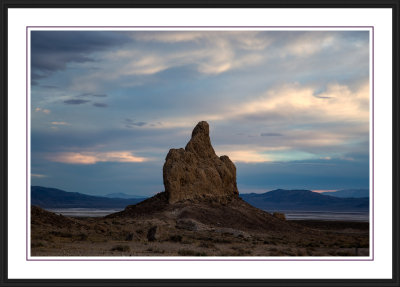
{"x":57,"y":235}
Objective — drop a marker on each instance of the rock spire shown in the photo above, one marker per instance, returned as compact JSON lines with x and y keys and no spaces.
{"x":196,"y":173}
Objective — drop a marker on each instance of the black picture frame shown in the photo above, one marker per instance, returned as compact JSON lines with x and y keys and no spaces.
{"x":394,"y":5}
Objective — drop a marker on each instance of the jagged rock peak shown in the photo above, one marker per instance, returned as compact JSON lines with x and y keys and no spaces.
{"x":201,"y":129}
{"x":200,"y":143}
{"x":196,"y":173}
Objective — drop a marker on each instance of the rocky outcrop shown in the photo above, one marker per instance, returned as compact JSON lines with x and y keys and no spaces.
{"x":196,"y":173}
{"x":201,"y":194}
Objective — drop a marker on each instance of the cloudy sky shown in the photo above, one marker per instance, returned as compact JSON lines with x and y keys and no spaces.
{"x":290,"y":108}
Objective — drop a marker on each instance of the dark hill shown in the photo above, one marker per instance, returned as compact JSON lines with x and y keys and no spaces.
{"x":304,"y":200}
{"x":40,"y":216}
{"x":56,"y":198}
{"x":347,"y":193}
{"x":235,"y":214}
{"x":123,"y":195}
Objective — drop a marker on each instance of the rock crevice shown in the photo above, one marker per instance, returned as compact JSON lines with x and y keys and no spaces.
{"x":196,"y":173}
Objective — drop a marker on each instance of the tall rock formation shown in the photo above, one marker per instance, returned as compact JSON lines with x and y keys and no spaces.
{"x":196,"y":173}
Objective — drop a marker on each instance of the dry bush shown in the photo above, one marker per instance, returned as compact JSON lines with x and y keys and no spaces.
{"x":206,"y":245}
{"x":301,"y":252}
{"x":279,"y":215}
{"x":175,"y":238}
{"x":80,"y":237}
{"x":122,"y":248}
{"x":155,"y":250}
{"x":277,"y":253}
{"x":345,"y":253}
{"x":61,"y":234}
{"x":37,"y":244}
{"x":221,"y":240}
{"x":239,"y":251}
{"x":188,"y":252}
{"x":128,"y":236}
{"x":289,"y":252}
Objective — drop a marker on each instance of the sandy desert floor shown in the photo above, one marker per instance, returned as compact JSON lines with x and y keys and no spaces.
{"x":56,"y":235}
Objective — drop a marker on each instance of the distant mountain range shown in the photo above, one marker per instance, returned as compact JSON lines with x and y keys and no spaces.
{"x":347,"y":193}
{"x":56,"y":198}
{"x":122,"y":195}
{"x":276,"y":200}
{"x":304,"y":200}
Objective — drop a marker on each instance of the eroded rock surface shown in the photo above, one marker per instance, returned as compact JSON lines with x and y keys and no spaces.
{"x":196,"y":173}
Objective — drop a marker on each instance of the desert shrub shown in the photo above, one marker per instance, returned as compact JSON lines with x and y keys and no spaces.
{"x":62,"y":234}
{"x":279,"y":215}
{"x":206,"y":245}
{"x":289,"y":252}
{"x":44,"y":236}
{"x":347,"y":245}
{"x":270,"y":241}
{"x":225,"y":253}
{"x":344,"y":253}
{"x":310,"y":251}
{"x":204,"y":238}
{"x":155,"y":250}
{"x":277,"y":253}
{"x":37,"y":244}
{"x":175,"y":238}
{"x":122,"y":248}
{"x":301,"y":252}
{"x":82,"y":236}
{"x":187,"y":252}
{"x":312,"y":244}
{"x":129,"y":236}
{"x":240,"y":251}
{"x":152,"y":233}
{"x":221,"y":240}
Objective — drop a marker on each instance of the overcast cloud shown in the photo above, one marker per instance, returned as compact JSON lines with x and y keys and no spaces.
{"x":290,"y":108}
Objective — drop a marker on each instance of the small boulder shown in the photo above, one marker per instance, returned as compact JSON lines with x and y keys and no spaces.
{"x":151,"y":233}
{"x":187,"y":224}
{"x":279,"y":215}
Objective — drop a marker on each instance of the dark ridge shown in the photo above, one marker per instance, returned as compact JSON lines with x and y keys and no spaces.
{"x":56,"y":198}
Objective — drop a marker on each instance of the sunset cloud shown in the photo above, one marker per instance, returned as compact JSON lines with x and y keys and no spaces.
{"x":45,"y":111}
{"x":337,"y":103}
{"x":324,"y":190}
{"x":248,"y":156}
{"x":94,"y":157}
{"x":251,"y":154}
{"x":37,"y":175}
{"x":60,"y":123}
